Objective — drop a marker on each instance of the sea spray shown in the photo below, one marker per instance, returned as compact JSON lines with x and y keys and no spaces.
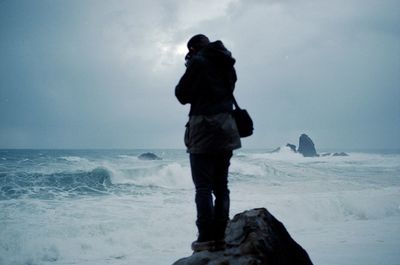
{"x":108,"y":207}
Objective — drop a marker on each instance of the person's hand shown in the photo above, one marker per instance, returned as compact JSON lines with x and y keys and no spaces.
{"x":188,"y":57}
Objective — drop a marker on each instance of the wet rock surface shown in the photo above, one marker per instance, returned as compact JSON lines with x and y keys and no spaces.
{"x":254,"y":237}
{"x":306,"y":146}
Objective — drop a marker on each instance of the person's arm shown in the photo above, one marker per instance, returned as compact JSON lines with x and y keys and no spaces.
{"x":233,"y":78}
{"x":185,"y":89}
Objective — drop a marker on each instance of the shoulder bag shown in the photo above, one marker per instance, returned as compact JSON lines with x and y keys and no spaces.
{"x":243,"y":120}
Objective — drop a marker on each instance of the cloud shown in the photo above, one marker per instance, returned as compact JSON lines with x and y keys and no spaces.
{"x":318,"y":67}
{"x":102,"y":74}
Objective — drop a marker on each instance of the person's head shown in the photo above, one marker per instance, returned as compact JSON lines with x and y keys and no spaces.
{"x":197,"y":42}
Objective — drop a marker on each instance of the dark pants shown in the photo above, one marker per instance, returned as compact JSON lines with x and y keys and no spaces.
{"x":210,"y":176}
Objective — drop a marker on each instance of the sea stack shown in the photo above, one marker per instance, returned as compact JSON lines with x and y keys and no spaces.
{"x":306,"y":146}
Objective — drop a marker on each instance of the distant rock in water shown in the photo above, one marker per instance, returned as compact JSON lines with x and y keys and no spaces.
{"x":254,"y":237}
{"x":148,"y":156}
{"x":306,"y":146}
{"x":276,"y":150}
{"x":335,"y":154}
{"x":340,"y":154}
{"x":292,"y":147}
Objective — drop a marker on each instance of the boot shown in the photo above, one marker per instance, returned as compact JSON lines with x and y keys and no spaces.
{"x":203,"y":246}
{"x":205,"y":239}
{"x":219,"y":230}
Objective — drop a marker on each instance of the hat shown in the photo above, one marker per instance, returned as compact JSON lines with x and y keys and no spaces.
{"x":198,"y":41}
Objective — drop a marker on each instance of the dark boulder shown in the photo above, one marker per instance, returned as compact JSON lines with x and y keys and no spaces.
{"x":148,"y":156}
{"x":326,"y":154}
{"x":306,"y":146}
{"x":292,"y":147}
{"x":254,"y":237}
{"x":340,"y":154}
{"x":335,"y":154}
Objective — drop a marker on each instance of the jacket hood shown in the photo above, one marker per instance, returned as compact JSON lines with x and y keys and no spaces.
{"x":216,"y":51}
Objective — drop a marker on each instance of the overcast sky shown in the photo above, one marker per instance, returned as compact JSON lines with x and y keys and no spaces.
{"x":101,"y":74}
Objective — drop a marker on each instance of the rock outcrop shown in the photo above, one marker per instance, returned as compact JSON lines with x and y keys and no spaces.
{"x":340,"y":154}
{"x":254,"y":237}
{"x":149,"y":156}
{"x":306,"y":146}
{"x":292,"y":147}
{"x":276,"y":150}
{"x":335,"y":154}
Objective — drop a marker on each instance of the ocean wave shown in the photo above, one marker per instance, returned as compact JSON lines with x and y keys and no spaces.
{"x":35,"y":184}
{"x":106,"y":177}
{"x":73,"y":159}
{"x":334,"y":206}
{"x":170,"y":176}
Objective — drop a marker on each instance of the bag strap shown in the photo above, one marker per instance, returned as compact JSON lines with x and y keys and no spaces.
{"x":235,"y":103}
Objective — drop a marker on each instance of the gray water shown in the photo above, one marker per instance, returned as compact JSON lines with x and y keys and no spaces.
{"x":109,"y":207}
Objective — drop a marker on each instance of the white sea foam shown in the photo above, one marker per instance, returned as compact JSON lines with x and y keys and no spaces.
{"x":73,"y":158}
{"x":172,"y":175}
{"x":146,"y":215}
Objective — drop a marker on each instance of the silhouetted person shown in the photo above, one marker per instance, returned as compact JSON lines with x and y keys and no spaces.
{"x":211,"y":134}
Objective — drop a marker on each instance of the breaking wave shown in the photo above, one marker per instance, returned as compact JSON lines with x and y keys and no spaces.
{"x":169,"y":176}
{"x":47,"y":185}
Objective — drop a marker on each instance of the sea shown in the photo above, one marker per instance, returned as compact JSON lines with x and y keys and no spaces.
{"x":97,"y":207}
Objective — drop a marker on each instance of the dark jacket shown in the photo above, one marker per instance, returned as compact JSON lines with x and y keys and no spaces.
{"x":207,"y":86}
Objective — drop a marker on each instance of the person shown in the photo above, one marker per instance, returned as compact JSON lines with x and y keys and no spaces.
{"x":211,"y":134}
